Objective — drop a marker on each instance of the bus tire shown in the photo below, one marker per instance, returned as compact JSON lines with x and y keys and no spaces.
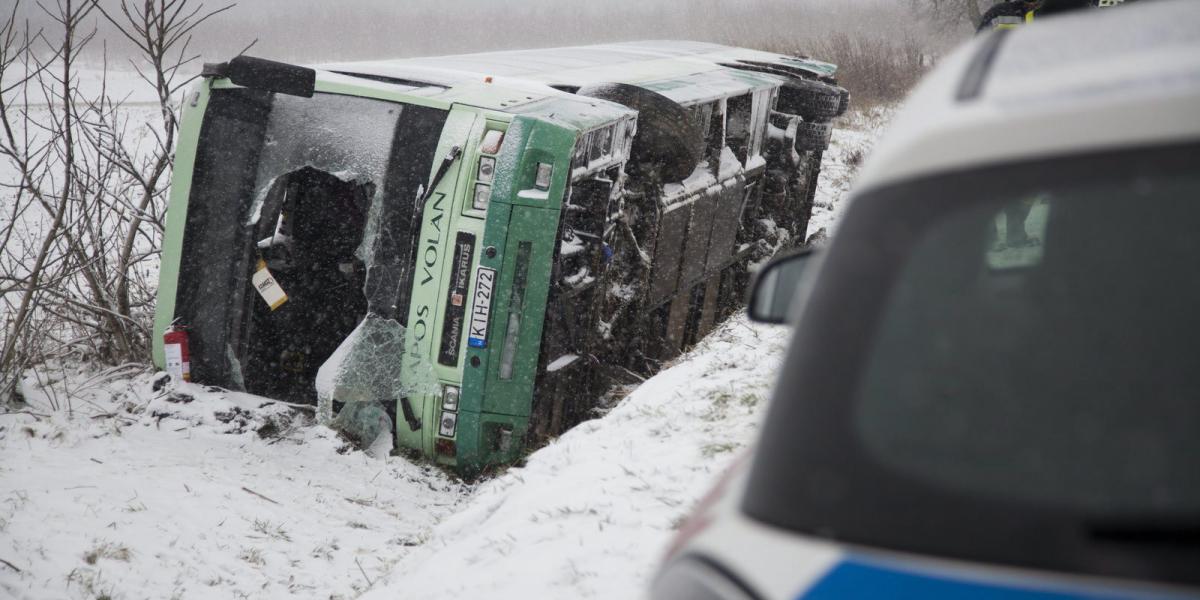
{"x":845,"y":101}
{"x":813,"y":136}
{"x":666,"y":139}
{"x":813,"y":100}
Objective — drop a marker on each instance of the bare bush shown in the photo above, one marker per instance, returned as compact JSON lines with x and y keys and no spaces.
{"x":875,"y":69}
{"x":957,"y":16}
{"x":85,"y":212}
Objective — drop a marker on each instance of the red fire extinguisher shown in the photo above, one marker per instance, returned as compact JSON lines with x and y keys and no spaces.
{"x":175,"y":347}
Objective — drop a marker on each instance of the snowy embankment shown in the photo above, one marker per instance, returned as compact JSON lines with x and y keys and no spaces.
{"x":853,"y":139}
{"x":590,"y":515}
{"x":110,"y":488}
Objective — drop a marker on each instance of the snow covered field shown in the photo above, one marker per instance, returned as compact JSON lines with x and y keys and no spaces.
{"x":110,"y":488}
{"x":126,"y":492}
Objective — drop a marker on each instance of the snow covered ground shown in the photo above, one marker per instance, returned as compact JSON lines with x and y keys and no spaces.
{"x":124,"y":492}
{"x":110,"y":488}
{"x":590,"y":515}
{"x":853,"y":139}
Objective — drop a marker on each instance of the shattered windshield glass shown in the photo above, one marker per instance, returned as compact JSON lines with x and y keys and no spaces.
{"x":347,"y":136}
{"x":365,"y":369}
{"x":319,"y":193}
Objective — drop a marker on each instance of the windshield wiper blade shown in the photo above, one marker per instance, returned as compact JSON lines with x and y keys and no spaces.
{"x":451,"y":156}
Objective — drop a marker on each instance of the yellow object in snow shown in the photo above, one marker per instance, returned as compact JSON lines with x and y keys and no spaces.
{"x":267,"y":287}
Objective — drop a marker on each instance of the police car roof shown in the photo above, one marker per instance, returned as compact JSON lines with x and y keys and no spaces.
{"x":1084,"y":81}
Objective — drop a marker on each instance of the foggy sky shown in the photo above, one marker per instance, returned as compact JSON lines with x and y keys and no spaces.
{"x":309,"y":31}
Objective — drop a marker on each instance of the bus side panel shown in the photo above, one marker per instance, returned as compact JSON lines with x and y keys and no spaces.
{"x":518,"y":243}
{"x":177,"y":209}
{"x":699,"y":237}
{"x":668,"y":250}
{"x":472,"y":449}
{"x":725,"y":226}
{"x":520,"y":313}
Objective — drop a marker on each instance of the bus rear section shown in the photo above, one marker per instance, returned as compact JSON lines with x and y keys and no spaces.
{"x":653,"y":253}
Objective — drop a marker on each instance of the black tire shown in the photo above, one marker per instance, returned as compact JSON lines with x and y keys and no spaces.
{"x":813,"y":136}
{"x":813,"y":100}
{"x":845,"y":105}
{"x":666,"y":139}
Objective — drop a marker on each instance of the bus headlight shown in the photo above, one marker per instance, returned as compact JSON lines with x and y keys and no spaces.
{"x":487,"y":169}
{"x":483,"y":193}
{"x":450,"y":398}
{"x":542,"y":180}
{"x":448,"y":424}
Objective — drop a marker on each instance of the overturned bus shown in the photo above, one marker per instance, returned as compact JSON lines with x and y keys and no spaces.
{"x":480,"y":243}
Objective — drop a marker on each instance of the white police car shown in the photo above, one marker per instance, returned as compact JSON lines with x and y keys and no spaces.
{"x":994,"y":386}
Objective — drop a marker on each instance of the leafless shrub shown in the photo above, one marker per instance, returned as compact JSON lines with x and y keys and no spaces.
{"x":877,"y":69}
{"x":952,"y":16}
{"x":84,"y":217}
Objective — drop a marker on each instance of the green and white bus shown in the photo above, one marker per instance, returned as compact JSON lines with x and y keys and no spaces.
{"x":481,"y":243}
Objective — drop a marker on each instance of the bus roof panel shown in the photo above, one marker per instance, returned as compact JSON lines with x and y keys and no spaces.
{"x":685,"y":71}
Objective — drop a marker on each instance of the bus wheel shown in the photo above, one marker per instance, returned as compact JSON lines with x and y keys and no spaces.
{"x":813,"y":136}
{"x":813,"y":100}
{"x":666,"y":139}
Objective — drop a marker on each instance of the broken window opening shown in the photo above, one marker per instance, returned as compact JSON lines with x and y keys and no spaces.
{"x":739,"y":126}
{"x":715,"y":138}
{"x":321,"y":190}
{"x":311,"y":253}
{"x":377,"y":362}
{"x":584,"y":252}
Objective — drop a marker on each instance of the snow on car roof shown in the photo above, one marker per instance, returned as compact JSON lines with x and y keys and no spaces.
{"x":1107,"y":52}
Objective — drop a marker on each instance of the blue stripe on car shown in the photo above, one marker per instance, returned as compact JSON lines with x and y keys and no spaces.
{"x":856,"y":578}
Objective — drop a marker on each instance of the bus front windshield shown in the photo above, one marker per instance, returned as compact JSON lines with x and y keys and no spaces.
{"x":321,"y":193}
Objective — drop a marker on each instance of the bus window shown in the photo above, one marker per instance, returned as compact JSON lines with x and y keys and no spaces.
{"x":714,"y":139}
{"x":763,"y":101}
{"x":739,"y":126}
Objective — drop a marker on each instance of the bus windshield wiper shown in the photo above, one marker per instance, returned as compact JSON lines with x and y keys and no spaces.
{"x":451,"y":156}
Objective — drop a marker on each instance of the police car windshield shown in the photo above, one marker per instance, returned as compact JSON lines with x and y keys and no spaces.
{"x":1017,"y":364}
{"x":1044,"y":352}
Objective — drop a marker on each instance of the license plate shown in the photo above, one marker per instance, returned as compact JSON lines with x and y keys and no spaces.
{"x":485,"y":281}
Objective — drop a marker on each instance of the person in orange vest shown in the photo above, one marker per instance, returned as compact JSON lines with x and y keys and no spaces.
{"x":1007,"y":15}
